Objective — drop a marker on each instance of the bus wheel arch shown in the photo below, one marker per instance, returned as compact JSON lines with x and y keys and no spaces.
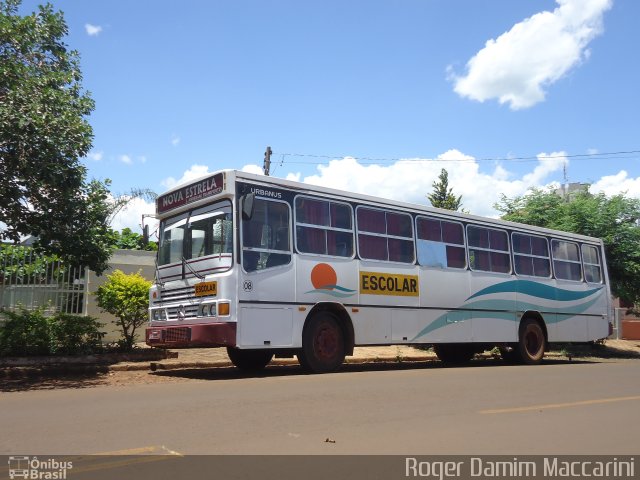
{"x":344,"y":320}
{"x":327,"y":337}
{"x":532,"y":338}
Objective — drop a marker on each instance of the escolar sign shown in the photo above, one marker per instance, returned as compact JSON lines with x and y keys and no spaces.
{"x":206,"y":288}
{"x":372,"y":283}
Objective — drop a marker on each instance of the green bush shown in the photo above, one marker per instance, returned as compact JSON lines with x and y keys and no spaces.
{"x":76,"y":335}
{"x":26,"y":333}
{"x":125,"y":296}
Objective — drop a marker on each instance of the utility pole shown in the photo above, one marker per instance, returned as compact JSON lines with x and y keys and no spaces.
{"x":267,"y":161}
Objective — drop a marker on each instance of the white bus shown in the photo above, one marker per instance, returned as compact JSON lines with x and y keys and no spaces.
{"x":265,"y":266}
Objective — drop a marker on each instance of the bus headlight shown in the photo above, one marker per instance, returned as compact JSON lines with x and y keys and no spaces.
{"x":212,"y":309}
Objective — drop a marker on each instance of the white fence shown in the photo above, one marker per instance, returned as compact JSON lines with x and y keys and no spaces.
{"x":28,"y":280}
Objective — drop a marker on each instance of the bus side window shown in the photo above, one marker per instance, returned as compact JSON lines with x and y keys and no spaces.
{"x":566,"y":260}
{"x":591,"y":261}
{"x":265,"y":237}
{"x":440,"y":243}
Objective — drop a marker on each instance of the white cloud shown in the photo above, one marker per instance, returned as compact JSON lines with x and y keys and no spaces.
{"x":131,"y":216}
{"x":92,"y":30}
{"x":548,"y":164}
{"x":520,"y":64}
{"x":195,"y":171}
{"x":96,"y":156}
{"x":253,"y":169}
{"x":125,"y":159}
{"x":479,"y":190}
{"x":618,"y":183}
{"x":175,"y":140}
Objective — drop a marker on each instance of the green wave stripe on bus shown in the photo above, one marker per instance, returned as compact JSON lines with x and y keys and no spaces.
{"x":536,"y":289}
{"x":506,"y":310}
{"x":331,"y":290}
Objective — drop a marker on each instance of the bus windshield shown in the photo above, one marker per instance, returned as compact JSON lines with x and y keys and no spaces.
{"x":203,"y":232}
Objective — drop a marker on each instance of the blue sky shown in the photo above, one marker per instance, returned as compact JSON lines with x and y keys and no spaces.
{"x":504,"y":94}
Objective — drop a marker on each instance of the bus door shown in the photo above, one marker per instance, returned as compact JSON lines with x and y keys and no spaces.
{"x":267,"y":277}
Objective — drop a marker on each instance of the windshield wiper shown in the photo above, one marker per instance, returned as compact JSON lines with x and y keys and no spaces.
{"x":185,"y":264}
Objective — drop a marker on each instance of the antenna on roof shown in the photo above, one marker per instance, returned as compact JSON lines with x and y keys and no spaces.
{"x":267,"y":161}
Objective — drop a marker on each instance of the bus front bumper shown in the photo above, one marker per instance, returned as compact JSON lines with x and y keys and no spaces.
{"x":221,"y":334}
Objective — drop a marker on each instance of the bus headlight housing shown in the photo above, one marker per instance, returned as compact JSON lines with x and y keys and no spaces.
{"x":216,"y":309}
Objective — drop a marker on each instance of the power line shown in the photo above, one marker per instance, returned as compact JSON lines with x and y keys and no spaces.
{"x":627,"y":154}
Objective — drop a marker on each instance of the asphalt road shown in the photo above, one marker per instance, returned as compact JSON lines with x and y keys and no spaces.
{"x":487,"y":408}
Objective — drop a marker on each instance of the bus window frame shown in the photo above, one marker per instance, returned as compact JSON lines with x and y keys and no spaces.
{"x":579,"y":262}
{"x":513,"y":254}
{"x":599,"y":264}
{"x":489,"y":249}
{"x":463,"y":245}
{"x":243,"y":249}
{"x":326,"y":228}
{"x":386,"y":236}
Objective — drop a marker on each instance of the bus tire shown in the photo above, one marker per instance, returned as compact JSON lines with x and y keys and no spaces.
{"x":323,"y":348}
{"x":249,"y":360}
{"x":531,"y":342}
{"x":454,"y":353}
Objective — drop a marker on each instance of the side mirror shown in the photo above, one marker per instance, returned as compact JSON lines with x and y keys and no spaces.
{"x":246,"y":205}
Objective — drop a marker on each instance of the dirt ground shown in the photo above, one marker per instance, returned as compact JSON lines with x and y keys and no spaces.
{"x":213,"y":364}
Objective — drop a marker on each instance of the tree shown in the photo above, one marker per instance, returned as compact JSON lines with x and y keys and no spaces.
{"x":613,"y":219}
{"x":127,"y":298}
{"x":442,"y":196}
{"x":43,"y":133}
{"x":129,"y":240}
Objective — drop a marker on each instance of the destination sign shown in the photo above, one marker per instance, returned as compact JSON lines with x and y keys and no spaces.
{"x":193,"y":192}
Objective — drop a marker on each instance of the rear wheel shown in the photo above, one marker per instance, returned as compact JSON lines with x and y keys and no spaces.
{"x":454,"y":353}
{"x":322,"y":344}
{"x":249,"y":360}
{"x":531,"y":343}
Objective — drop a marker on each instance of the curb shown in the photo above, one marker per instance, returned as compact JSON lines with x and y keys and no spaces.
{"x":155,"y":366}
{"x":18,"y":372}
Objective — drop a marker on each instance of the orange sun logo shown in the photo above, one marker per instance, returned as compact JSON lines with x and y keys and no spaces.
{"x":323,"y":277}
{"x":325,"y":280}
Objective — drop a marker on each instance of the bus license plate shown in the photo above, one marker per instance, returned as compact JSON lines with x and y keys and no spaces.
{"x":206,"y":288}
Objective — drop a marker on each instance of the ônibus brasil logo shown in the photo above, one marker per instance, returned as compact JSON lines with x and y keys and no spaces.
{"x":325,"y":280}
{"x":32,"y":468}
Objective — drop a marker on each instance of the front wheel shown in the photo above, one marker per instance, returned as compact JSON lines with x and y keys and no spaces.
{"x":322,"y":344}
{"x":249,"y":360}
{"x":531,"y":342}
